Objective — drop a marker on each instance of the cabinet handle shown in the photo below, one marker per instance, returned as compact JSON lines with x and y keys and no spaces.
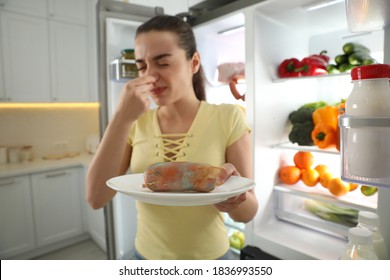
{"x":10,"y":182}
{"x":55,"y":174}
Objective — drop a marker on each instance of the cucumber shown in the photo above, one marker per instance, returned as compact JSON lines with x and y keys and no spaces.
{"x":368,"y":61}
{"x":345,"y":67}
{"x":341,"y":58}
{"x":357,"y":58}
{"x":332,"y":69}
{"x":352,"y":47}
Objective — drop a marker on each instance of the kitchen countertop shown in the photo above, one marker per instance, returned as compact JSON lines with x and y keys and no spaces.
{"x":42,"y":165}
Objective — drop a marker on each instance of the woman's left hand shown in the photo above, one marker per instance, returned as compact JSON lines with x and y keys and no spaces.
{"x":231,"y":203}
{"x":234,"y":201}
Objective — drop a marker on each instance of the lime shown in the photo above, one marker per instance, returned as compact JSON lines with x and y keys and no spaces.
{"x":368,"y":190}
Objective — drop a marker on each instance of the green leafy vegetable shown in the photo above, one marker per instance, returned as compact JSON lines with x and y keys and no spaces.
{"x":301,"y":133}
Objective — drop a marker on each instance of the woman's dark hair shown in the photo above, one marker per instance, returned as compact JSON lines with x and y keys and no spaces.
{"x":186,"y":41}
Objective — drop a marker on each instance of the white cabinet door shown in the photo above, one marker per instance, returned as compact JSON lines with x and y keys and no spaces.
{"x":72,"y":11}
{"x":26,"y":57}
{"x":28,"y":7}
{"x":16,"y":218}
{"x":69,"y":62}
{"x":57,"y":205}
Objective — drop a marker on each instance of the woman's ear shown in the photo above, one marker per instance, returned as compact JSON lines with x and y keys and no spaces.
{"x":195,"y":62}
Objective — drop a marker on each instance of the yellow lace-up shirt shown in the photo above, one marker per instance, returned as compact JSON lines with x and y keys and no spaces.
{"x":184,"y":232}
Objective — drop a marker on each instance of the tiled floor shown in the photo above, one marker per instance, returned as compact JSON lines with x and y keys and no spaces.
{"x":86,"y":250}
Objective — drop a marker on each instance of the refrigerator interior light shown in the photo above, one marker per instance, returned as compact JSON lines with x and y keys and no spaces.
{"x":366,"y":15}
{"x":321,"y":4}
{"x":231,"y":30}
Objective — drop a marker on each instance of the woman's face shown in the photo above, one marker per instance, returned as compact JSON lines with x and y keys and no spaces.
{"x":158,"y":54}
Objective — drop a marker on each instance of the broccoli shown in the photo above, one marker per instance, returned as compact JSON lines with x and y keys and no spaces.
{"x":301,"y":133}
{"x":301,"y":115}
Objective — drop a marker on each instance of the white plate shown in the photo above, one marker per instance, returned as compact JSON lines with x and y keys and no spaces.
{"x":132,"y":185}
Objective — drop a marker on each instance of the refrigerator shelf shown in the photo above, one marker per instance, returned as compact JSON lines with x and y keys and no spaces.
{"x":353,"y":199}
{"x":325,"y":76}
{"x":292,"y":146}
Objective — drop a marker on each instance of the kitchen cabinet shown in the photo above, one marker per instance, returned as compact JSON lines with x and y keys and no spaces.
{"x":25,"y":54}
{"x":16,"y":218}
{"x":71,"y":11}
{"x":57,"y":205}
{"x":48,"y":56}
{"x":27,"y":7}
{"x":69,"y":62}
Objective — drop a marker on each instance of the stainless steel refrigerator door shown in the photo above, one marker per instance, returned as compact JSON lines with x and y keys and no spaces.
{"x":108,"y":10}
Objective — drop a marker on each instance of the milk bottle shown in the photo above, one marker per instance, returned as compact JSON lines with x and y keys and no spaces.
{"x":370,"y":98}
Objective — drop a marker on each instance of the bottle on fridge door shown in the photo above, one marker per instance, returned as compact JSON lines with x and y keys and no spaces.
{"x":371,"y":221}
{"x":360,"y":245}
{"x":365,"y":127}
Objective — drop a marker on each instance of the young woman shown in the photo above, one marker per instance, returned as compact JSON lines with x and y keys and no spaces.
{"x":182,"y":128}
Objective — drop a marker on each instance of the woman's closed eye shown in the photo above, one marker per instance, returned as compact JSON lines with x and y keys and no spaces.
{"x":163,"y":64}
{"x":144,"y":67}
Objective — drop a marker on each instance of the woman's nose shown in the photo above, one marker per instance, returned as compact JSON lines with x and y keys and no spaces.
{"x":152,"y":72}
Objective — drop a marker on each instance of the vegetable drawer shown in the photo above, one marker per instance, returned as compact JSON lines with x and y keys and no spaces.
{"x":318,"y":215}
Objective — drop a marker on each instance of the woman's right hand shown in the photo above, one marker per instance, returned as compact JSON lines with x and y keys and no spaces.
{"x":135,"y":98}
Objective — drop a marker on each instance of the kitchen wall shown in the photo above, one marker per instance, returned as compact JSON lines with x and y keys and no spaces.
{"x":45,"y":126}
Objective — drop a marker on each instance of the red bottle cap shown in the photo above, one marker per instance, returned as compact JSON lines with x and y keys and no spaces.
{"x":373,"y":71}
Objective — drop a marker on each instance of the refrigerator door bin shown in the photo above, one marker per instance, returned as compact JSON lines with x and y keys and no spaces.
{"x":123,"y":69}
{"x":365,"y":150}
{"x":311,"y":209}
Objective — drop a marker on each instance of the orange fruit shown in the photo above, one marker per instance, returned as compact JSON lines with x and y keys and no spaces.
{"x":325,"y":178}
{"x":310,"y":177}
{"x":289,"y":175}
{"x":303,"y":160}
{"x":352,"y":186}
{"x":321,"y":168}
{"x":337,"y":187}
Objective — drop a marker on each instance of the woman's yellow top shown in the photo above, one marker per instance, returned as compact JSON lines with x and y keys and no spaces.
{"x":184,"y":232}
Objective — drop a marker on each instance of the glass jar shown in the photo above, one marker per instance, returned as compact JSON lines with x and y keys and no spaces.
{"x":129,"y":68}
{"x":127,"y":54}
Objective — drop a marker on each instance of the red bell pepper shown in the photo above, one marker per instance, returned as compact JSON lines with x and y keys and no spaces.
{"x":323,"y":56}
{"x":287,"y":68}
{"x":312,"y":66}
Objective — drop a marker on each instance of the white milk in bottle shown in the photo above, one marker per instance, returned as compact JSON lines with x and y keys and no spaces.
{"x":370,"y":98}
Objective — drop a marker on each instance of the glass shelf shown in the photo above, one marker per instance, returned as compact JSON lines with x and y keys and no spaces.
{"x":277,"y":80}
{"x":291,"y":146}
{"x":354,"y":199}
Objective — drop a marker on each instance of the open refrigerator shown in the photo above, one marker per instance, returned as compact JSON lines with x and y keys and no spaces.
{"x":260,"y":34}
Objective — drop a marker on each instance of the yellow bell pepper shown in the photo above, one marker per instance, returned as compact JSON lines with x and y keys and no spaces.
{"x":324,"y":135}
{"x":327,"y":115}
